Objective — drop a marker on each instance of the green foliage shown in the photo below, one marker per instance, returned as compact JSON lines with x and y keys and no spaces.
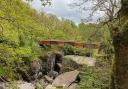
{"x":96,"y":77}
{"x":58,"y":34}
{"x":124,"y":8}
{"x":59,"y":88}
{"x":8,"y":60}
{"x":20,"y":30}
{"x":94,"y":32}
{"x":69,"y":50}
{"x":21,"y":27}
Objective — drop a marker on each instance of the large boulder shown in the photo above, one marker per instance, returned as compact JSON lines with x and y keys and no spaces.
{"x":66,"y":79}
{"x":69,"y":65}
{"x":47,"y":65}
{"x":25,"y":85}
{"x":34,"y":71}
{"x":52,"y":62}
{"x":72,"y":86}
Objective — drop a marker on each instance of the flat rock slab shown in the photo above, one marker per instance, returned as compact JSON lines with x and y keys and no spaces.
{"x":72,"y":86}
{"x":82,"y":59}
{"x":66,"y":79}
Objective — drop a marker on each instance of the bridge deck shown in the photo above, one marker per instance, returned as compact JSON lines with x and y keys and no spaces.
{"x":72,"y":43}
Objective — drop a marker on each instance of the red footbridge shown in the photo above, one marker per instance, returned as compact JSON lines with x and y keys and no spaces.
{"x":95,"y":45}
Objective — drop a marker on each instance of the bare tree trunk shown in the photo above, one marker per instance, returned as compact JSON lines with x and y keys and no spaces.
{"x":120,"y":79}
{"x":120,"y":43}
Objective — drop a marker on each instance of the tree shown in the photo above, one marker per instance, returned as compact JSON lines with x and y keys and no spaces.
{"x":120,"y":41}
{"x":113,"y":11}
{"x":109,"y":9}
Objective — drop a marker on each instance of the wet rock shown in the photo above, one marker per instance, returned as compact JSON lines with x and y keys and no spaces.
{"x":45,"y":64}
{"x":34,"y":71}
{"x":66,"y":79}
{"x":59,"y":57}
{"x":50,"y":62}
{"x":48,"y":65}
{"x":59,"y":65}
{"x":53,"y":74}
{"x":49,"y":79}
{"x":36,"y":66}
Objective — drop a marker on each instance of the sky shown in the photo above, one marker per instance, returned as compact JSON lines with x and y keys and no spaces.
{"x":60,"y":8}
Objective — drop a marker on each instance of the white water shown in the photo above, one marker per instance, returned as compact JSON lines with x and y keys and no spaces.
{"x":82,"y":59}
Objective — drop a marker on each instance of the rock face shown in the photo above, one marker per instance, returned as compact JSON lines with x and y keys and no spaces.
{"x":49,"y":65}
{"x":34,"y":71}
{"x":66,"y":79}
{"x":52,"y":73}
{"x":52,"y":62}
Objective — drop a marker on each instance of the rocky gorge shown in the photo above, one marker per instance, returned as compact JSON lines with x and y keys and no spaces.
{"x":53,"y":71}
